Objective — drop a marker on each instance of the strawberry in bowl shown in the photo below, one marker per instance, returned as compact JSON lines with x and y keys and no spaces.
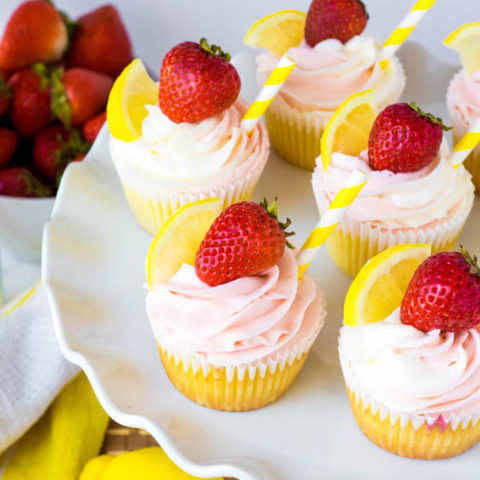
{"x":55,"y":77}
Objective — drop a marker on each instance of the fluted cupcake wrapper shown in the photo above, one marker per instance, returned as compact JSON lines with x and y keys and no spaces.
{"x":153,"y":211}
{"x":472,"y":163}
{"x":236,"y":387}
{"x":353,"y":243}
{"x":411,"y":435}
{"x":295,"y":134}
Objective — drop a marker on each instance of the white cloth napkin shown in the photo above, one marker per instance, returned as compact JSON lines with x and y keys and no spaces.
{"x":32,"y":368}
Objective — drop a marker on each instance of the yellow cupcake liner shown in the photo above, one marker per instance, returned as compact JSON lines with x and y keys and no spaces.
{"x":219,"y":390}
{"x":152,"y":213}
{"x":295,"y":134}
{"x":350,"y":252}
{"x":472,"y":163}
{"x":424,"y":442}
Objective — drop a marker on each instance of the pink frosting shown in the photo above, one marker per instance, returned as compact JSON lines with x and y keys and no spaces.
{"x":407,"y":370}
{"x":328,"y":73}
{"x":463,"y":101}
{"x":396,"y":200}
{"x":239,"y":322}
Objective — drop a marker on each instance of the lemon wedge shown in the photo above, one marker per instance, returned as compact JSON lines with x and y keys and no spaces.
{"x":178,"y":240}
{"x":466,"y":41}
{"x":349,"y":127}
{"x":132,"y":90}
{"x":277,"y":32}
{"x":379,"y":287}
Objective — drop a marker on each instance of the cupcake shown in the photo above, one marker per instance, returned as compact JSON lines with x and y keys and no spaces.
{"x":234,"y":329}
{"x":413,"y":195}
{"x":189,"y":144}
{"x":334,"y":60}
{"x":463,"y":95}
{"x":413,"y":373}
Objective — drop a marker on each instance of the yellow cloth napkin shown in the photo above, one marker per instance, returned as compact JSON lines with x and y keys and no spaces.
{"x":57,"y":447}
{"x":145,"y":464}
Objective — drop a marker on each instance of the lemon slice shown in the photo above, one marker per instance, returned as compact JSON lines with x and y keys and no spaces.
{"x":277,"y":32}
{"x":379,"y":287}
{"x":349,"y":128}
{"x":132,"y":90}
{"x":466,"y":41}
{"x":178,"y":240}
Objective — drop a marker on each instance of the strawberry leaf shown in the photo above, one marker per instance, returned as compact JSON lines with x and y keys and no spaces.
{"x":5,"y":91}
{"x":471,"y":261}
{"x":431,"y":117}
{"x":60,"y":105}
{"x":214,"y":50}
{"x":272,"y":211}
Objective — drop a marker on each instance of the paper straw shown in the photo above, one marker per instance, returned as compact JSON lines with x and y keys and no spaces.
{"x":268,"y":92}
{"x":325,"y":227}
{"x":465,"y":145}
{"x":404,"y":29}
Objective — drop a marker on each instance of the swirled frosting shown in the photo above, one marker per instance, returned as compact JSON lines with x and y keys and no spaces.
{"x":408,"y":370}
{"x":176,"y":154}
{"x":397,"y":200}
{"x":463,"y":100}
{"x":239,"y":322}
{"x":327,"y":74}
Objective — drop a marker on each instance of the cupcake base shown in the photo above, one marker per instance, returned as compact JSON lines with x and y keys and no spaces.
{"x":351,"y":252}
{"x":295,"y":135}
{"x":151,"y":214}
{"x":217,"y":391}
{"x":425,"y":442}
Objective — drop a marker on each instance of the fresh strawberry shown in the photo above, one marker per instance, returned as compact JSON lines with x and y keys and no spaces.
{"x":34,"y":33}
{"x":93,"y":126}
{"x":404,"y":139}
{"x":8,"y":145}
{"x":340,"y":19}
{"x":245,"y":239}
{"x":54,"y":148}
{"x":5,"y":94}
{"x":21,"y":182}
{"x":197,"y":81}
{"x":444,"y":293}
{"x":101,"y":42}
{"x":30,"y":110}
{"x":79,"y":94}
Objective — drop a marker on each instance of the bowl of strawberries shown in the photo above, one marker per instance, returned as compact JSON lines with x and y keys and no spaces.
{"x":55,"y":77}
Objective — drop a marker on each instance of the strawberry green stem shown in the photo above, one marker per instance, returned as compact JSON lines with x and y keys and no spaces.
{"x":41,"y":70}
{"x":471,"y":261}
{"x":272,"y":211}
{"x":60,"y":105}
{"x":214,"y":50}
{"x":431,"y":117}
{"x":4,"y":89}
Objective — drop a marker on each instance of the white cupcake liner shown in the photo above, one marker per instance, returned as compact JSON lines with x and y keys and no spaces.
{"x":463,"y":420}
{"x":380,"y":235}
{"x":272,"y":363}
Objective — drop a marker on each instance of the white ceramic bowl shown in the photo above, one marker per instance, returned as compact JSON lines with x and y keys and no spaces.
{"x":21,"y":225}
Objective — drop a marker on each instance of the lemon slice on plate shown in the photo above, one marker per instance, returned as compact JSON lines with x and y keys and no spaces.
{"x":178,"y":240}
{"x":466,"y":41}
{"x":379,"y":287}
{"x":277,"y":32}
{"x":349,"y":128}
{"x":132,"y":90}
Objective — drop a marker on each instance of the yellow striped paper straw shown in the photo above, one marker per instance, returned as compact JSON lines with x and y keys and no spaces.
{"x":327,"y":224}
{"x":272,"y":86}
{"x":465,"y":145}
{"x":404,"y":29}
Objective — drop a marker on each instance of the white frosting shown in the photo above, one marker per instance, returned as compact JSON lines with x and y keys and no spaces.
{"x":330,"y":72}
{"x":179,"y":155}
{"x":411,"y":371}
